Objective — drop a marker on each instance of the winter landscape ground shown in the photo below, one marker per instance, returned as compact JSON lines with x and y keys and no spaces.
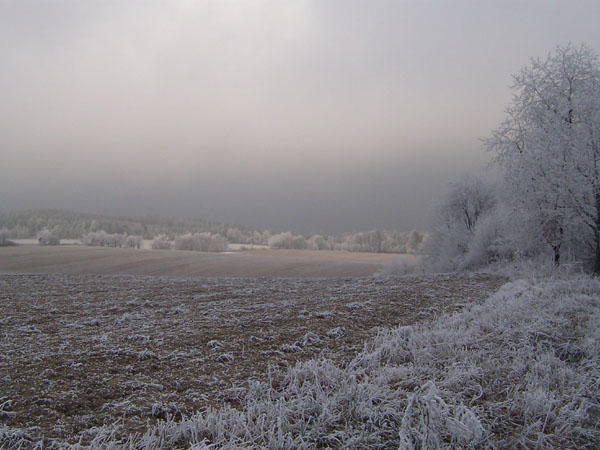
{"x":84,"y":351}
{"x":133,"y":361}
{"x":77,"y":259}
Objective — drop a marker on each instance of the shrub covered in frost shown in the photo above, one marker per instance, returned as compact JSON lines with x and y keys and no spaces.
{"x":103,"y":239}
{"x":318,"y":242}
{"x":287,"y":240}
{"x":377,"y":241}
{"x":161,"y":242}
{"x":461,"y":210}
{"x":201,"y":242}
{"x":368,"y":241}
{"x":48,"y":237}
{"x":493,"y":240}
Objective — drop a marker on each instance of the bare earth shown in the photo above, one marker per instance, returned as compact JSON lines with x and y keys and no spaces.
{"x":82,"y":351}
{"x":78,"y":260}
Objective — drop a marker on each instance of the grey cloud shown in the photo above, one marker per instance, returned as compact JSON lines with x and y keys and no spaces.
{"x":303,"y":115}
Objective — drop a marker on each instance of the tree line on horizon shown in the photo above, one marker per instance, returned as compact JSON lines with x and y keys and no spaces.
{"x":49,"y":226}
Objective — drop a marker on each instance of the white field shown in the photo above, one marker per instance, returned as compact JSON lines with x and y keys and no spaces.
{"x":79,"y":260}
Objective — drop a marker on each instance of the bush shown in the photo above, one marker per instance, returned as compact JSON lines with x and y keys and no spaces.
{"x":201,"y":242}
{"x":288,"y":240}
{"x":318,"y":242}
{"x":161,"y":242}
{"x":48,"y":237}
{"x":465,"y":204}
{"x":103,"y":239}
{"x":492,"y":241}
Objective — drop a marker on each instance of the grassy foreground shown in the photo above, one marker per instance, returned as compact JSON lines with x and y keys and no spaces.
{"x":519,"y":371}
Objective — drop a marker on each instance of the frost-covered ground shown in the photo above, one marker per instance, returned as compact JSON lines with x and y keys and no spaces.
{"x":228,"y":363}
{"x":520,"y":371}
{"x":83,"y":260}
{"x":79,"y":352}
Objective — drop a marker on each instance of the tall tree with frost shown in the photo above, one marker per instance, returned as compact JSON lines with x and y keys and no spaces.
{"x":549,"y":149}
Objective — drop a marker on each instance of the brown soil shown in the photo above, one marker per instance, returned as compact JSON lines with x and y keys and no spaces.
{"x":78,"y":260}
{"x":77,"y":352}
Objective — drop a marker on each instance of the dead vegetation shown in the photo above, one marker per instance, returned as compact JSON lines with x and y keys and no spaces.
{"x":79,"y":352}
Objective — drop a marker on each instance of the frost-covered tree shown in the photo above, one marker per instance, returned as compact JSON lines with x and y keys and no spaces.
{"x":548,"y":148}
{"x":414,"y":242}
{"x":161,"y":242}
{"x":134,"y":241}
{"x":201,"y":242}
{"x":287,"y":240}
{"x":318,"y":242}
{"x":367,"y":241}
{"x":495,"y":238}
{"x":48,"y":237}
{"x":103,"y":239}
{"x":461,"y":209}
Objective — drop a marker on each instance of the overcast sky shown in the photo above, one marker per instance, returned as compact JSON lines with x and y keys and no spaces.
{"x":312,"y":116}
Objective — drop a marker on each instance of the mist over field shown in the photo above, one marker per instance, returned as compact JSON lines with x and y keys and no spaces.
{"x":306,"y":116}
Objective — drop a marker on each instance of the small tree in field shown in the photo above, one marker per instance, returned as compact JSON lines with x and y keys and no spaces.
{"x":48,"y":237}
{"x":548,"y":148}
{"x":463,"y":206}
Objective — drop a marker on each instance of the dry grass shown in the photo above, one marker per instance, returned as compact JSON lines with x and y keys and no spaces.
{"x":78,"y":352}
{"x":519,"y":371}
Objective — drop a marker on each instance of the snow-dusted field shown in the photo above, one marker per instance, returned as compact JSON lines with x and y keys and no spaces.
{"x":77,"y":260}
{"x":521,"y":370}
{"x":82,"y":351}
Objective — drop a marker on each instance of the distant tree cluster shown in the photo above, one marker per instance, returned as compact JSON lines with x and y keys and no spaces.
{"x":48,"y":237}
{"x":548,"y":152}
{"x":103,"y":239}
{"x":382,"y":242}
{"x":287,"y":240}
{"x":201,"y":242}
{"x":27,"y":224}
{"x":103,"y":231}
{"x":134,"y":241}
{"x":375,"y":241}
{"x":161,"y":242}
